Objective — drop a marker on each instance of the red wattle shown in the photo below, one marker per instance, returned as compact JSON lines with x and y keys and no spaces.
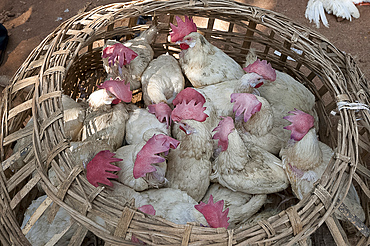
{"x":184,"y":46}
{"x":258,"y":85}
{"x":116,"y":101}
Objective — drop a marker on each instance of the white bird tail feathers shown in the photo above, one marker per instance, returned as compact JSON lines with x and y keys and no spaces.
{"x":251,"y":57}
{"x":341,"y":8}
{"x":150,"y":34}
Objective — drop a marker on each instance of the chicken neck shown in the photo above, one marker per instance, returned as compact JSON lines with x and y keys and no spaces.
{"x":234,"y":157}
{"x":303,"y":155}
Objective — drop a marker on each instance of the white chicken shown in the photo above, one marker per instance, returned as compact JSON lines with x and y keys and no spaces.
{"x":82,"y":153}
{"x":171,"y":204}
{"x":162,"y":80}
{"x":245,"y":168}
{"x":241,"y":205}
{"x":254,"y":120}
{"x":42,"y":231}
{"x":189,"y":165}
{"x":110,"y":92}
{"x":141,"y":168}
{"x":203,"y":63}
{"x":296,"y":95}
{"x":142,"y":125}
{"x":174,"y":205}
{"x":133,"y":63}
{"x":100,"y":99}
{"x":178,"y":207}
{"x":345,"y":9}
{"x":219,"y":94}
{"x":125,"y":176}
{"x":107,"y":114}
{"x":305,"y":159}
{"x":73,"y":118}
{"x":109,"y":124}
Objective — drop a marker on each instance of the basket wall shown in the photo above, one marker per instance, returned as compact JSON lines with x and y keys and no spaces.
{"x":68,"y":61}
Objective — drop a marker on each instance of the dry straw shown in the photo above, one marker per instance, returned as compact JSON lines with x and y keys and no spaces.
{"x":68,"y":61}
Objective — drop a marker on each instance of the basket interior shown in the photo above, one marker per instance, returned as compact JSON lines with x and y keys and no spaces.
{"x":68,"y":61}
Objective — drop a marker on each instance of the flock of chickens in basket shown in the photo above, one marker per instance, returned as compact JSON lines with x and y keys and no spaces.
{"x":211,"y":153}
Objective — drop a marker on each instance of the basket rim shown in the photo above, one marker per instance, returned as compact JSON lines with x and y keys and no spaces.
{"x":139,"y":7}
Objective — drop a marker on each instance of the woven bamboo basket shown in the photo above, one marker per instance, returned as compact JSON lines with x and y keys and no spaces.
{"x":69,"y":61}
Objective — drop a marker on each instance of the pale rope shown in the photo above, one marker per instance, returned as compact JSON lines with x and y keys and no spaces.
{"x":352,"y":106}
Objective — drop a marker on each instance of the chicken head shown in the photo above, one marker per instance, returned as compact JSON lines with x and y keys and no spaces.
{"x":147,"y":155}
{"x":119,"y":52}
{"x":188,"y":106}
{"x":189,"y":111}
{"x":189,"y":94}
{"x":182,"y":29}
{"x":247,"y":103}
{"x":118,"y":88}
{"x":213,"y":213}
{"x":97,"y":167}
{"x":100,"y":98}
{"x":162,"y":112}
{"x":263,"y":69}
{"x":301,"y":124}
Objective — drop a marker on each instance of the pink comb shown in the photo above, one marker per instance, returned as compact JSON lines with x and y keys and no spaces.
{"x":119,"y":52}
{"x":97,"y":167}
{"x":189,"y":94}
{"x":245,"y":102}
{"x":301,"y":124}
{"x":168,"y":142}
{"x":189,"y":111}
{"x":223,"y":129}
{"x":162,"y":111}
{"x":148,"y":209}
{"x":147,"y":155}
{"x":262,"y":68}
{"x":182,"y":29}
{"x":118,"y":88}
{"x":212,"y":212}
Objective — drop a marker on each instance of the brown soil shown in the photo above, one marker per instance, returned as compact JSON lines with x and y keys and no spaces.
{"x":29,"y":22}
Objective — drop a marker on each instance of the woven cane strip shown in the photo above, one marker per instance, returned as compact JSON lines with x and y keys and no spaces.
{"x":230,"y":240}
{"x":63,"y":188}
{"x":124,"y":222}
{"x":294,"y":220}
{"x":323,"y":195}
{"x":268,"y":229}
{"x":186,"y":236}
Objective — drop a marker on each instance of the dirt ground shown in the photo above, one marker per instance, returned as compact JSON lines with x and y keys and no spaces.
{"x":30,"y":21}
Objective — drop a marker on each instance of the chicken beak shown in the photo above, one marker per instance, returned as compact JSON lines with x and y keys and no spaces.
{"x":186,"y":128}
{"x":110,"y":98}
